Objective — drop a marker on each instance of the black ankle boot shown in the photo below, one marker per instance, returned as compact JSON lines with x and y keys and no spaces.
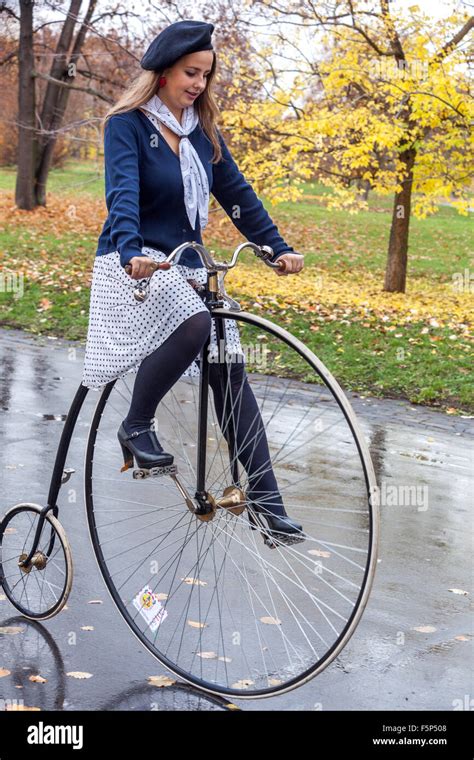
{"x":144,"y":458}
{"x":281,"y":527}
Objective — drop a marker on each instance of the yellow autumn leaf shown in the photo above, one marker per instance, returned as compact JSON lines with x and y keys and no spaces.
{"x":196,"y":624}
{"x":161,"y":681}
{"x":79,"y":674}
{"x":244,"y":683}
{"x":194,"y":581}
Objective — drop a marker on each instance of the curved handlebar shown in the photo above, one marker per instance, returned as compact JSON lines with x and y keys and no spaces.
{"x":263,"y":252}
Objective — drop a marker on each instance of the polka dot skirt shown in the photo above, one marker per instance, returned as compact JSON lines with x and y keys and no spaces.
{"x":123,"y":331}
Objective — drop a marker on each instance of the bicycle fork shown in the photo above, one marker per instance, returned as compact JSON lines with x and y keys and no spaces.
{"x":232,"y":497}
{"x":60,"y":475}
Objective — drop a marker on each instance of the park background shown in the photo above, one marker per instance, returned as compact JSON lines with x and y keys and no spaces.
{"x":353,"y":123}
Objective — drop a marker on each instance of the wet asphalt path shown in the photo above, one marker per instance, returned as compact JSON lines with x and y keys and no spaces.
{"x":387,"y":665}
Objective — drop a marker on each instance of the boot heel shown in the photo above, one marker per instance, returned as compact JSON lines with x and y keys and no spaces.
{"x":127,"y":458}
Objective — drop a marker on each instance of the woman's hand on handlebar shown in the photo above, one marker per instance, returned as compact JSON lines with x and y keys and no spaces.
{"x":292,"y":263}
{"x":140,"y":267}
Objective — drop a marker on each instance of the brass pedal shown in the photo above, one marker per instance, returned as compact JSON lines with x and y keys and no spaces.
{"x":232,"y":500}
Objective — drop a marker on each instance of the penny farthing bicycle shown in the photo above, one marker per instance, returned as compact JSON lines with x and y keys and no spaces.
{"x":188,"y":558}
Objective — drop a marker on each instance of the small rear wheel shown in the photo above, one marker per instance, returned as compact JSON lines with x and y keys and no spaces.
{"x":40,"y":589}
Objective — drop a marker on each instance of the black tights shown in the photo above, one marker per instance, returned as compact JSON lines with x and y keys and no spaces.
{"x":238,"y":412}
{"x":235,"y":404}
{"x":159,"y":371}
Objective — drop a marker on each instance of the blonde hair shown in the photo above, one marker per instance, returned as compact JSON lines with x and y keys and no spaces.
{"x":145,"y":85}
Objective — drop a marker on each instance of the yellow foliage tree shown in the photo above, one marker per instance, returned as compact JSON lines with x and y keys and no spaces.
{"x":387,"y":106}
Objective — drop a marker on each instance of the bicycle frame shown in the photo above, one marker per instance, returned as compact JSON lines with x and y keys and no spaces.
{"x":60,"y":475}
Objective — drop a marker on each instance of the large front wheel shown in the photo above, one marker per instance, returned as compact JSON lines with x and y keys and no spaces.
{"x":212,"y":598}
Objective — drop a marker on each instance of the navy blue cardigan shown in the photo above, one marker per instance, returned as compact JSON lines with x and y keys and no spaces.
{"x":144,"y":193}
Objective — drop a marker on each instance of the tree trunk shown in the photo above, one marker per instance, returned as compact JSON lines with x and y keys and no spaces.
{"x":54,"y":102}
{"x":25,"y":178}
{"x":363,"y":188}
{"x":396,"y":270}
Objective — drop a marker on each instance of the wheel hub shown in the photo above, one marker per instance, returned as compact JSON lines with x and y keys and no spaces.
{"x":233,"y":499}
{"x":38,"y":560}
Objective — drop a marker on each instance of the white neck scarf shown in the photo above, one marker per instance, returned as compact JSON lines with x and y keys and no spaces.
{"x":195,"y":182}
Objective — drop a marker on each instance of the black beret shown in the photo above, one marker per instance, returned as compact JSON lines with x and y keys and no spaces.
{"x":178,"y":39}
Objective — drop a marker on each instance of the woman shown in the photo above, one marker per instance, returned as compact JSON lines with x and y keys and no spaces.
{"x":163,"y":154}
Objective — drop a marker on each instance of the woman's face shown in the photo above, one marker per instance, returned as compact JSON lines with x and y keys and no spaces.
{"x":186,"y":77}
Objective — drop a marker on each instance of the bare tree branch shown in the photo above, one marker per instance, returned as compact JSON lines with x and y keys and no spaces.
{"x":449,"y":46}
{"x":61,"y":83}
{"x":5,"y":9}
{"x":9,"y":56}
{"x":94,"y":31}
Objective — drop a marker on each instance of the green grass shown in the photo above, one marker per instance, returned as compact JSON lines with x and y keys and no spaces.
{"x":438,"y":246}
{"x":79,"y":177}
{"x":365,"y":360}
{"x":68,"y":316}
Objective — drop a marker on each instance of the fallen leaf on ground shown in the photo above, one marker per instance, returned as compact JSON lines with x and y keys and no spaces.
{"x":79,"y":674}
{"x":196,"y":624}
{"x":161,"y":681}
{"x":244,"y":683}
{"x":270,"y":620}
{"x":194,"y":581}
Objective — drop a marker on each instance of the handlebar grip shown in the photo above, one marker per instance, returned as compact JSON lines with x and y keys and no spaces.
{"x":281,"y":264}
